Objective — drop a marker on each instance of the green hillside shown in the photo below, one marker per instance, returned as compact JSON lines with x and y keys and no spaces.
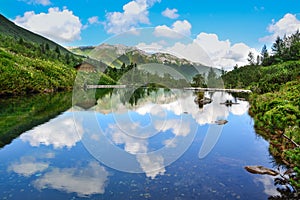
{"x":8,"y":28}
{"x":30,"y":63}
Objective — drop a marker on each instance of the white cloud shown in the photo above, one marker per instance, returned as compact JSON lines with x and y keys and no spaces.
{"x":206,"y":48}
{"x":215,"y":52}
{"x":170,"y":13}
{"x":84,"y":181}
{"x":191,"y":51}
{"x":41,"y":2}
{"x":58,"y":25}
{"x":59,"y":132}
{"x":153,"y":47}
{"x":288,"y":25}
{"x":28,"y":166}
{"x":177,"y":30}
{"x":134,"y":13}
{"x":93,"y":20}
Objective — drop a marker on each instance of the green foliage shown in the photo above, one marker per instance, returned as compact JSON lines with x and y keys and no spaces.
{"x":31,"y":68}
{"x":284,"y":49}
{"x":275,"y":102}
{"x":262,"y":79}
{"x":130,"y":74}
{"x":11,"y":30}
{"x":277,"y":113}
{"x":23,"y":75}
{"x":198,"y":81}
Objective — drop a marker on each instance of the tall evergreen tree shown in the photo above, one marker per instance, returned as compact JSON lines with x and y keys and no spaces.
{"x":264,"y":53}
{"x":251,"y":58}
{"x":278,"y":46}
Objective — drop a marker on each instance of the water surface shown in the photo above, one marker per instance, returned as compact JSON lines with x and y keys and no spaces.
{"x":91,"y":158}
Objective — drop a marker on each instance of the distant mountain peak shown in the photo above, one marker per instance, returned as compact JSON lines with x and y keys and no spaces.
{"x":115,"y":55}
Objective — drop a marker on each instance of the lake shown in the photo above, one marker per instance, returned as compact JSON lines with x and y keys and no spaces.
{"x":143,"y":144}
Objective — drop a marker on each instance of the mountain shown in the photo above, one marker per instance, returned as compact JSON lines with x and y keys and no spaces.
{"x":8,"y":28}
{"x":116,"y":55}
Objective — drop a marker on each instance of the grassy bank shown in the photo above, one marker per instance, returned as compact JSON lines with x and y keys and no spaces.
{"x":275,"y":107}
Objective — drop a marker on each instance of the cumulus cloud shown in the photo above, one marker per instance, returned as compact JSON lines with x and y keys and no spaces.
{"x":59,"y":132}
{"x":207,"y":49}
{"x":170,"y":13}
{"x":38,"y":2}
{"x":28,"y":166}
{"x":288,"y":25}
{"x":191,"y":51}
{"x":223,"y":53}
{"x":134,"y":13}
{"x":90,"y":179}
{"x":58,"y":25}
{"x":177,"y":30}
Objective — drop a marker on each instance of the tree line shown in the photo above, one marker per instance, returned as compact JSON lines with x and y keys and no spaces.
{"x":283,"y":49}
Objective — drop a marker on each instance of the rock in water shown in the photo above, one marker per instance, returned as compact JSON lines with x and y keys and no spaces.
{"x":261,"y":170}
{"x":221,"y":122}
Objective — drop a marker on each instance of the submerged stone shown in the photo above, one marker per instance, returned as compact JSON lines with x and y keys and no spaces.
{"x":221,"y":122}
{"x":261,"y":170}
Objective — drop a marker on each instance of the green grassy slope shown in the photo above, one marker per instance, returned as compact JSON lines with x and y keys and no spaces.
{"x":8,"y":28}
{"x":30,"y":63}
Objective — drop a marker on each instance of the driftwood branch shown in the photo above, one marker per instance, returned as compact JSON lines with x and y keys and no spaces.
{"x":292,"y":141}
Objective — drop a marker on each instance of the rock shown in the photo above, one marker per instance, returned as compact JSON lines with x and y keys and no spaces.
{"x":221,"y":122}
{"x":203,"y":101}
{"x":229,"y":103}
{"x":261,"y":170}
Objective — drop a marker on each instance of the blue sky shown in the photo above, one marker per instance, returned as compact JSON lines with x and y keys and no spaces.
{"x":228,"y":28}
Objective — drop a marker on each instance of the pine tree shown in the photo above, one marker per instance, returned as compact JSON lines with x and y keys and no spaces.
{"x":251,"y":58}
{"x":264,"y":54}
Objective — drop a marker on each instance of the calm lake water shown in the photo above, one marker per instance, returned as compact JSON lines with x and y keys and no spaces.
{"x":173,"y":148}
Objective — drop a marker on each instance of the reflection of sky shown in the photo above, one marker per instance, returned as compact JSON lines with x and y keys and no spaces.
{"x":268,"y":184}
{"x":51,"y":163}
{"x":59,"y":132}
{"x":85,"y":179}
{"x":88,"y":180}
{"x":132,"y":137}
{"x":156,"y":104}
{"x":132,"y":128}
{"x":28,"y":166}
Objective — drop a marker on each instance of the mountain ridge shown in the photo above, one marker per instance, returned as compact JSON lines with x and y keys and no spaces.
{"x":9,"y":28}
{"x":118,"y":54}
